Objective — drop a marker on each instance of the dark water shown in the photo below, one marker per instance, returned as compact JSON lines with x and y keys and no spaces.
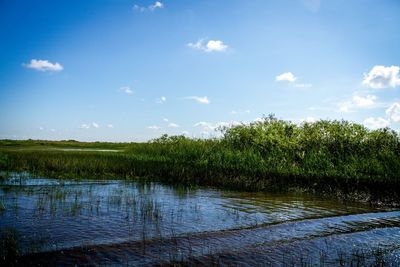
{"x":66,"y":222}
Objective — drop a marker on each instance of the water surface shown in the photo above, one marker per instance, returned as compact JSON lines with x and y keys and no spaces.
{"x":118,"y":222}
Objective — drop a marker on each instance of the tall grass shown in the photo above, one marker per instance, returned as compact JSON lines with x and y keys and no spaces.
{"x":268,"y":155}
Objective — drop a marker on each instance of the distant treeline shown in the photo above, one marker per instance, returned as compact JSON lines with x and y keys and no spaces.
{"x":325,"y":156}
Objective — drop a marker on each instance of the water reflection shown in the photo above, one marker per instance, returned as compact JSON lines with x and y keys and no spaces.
{"x":119,"y":222}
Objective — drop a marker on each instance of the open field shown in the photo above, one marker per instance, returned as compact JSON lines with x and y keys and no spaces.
{"x":336,"y":157}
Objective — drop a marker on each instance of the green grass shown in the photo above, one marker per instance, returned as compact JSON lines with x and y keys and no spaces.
{"x":274,"y":155}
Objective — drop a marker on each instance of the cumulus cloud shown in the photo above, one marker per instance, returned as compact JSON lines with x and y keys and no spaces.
{"x":126,"y":90}
{"x":393,"y":112}
{"x":287,"y":76}
{"x":110,"y":126}
{"x":43,"y":65}
{"x":173,"y":125}
{"x":364,"y":101}
{"x":209,"y":46}
{"x":166,"y":120}
{"x":84,"y":126}
{"x":376,"y":123}
{"x":152,"y":7}
{"x":382,"y":77}
{"x":200,"y":99}
{"x":95,"y":125}
{"x":358,"y":102}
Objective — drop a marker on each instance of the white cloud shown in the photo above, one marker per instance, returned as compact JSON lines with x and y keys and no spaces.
{"x":235,"y":112}
{"x":95,"y":125}
{"x":41,"y":128}
{"x":209,"y":46}
{"x":209,"y":126}
{"x":161,"y":100}
{"x":43,"y":65}
{"x":126,"y":90}
{"x":186,"y":133}
{"x":358,"y":101}
{"x":303,"y":85}
{"x":84,"y":126}
{"x":382,"y":77}
{"x":287,"y":76}
{"x":376,"y":123}
{"x":154,"y":127}
{"x":393,"y":112}
{"x":166,"y":120}
{"x":156,"y":5}
{"x":345,"y":106}
{"x":151,"y":7}
{"x":200,"y":99}
{"x":308,"y":119}
{"x":110,"y":126}
{"x":173,"y":125}
{"x":53,"y":130}
{"x":361,"y":101}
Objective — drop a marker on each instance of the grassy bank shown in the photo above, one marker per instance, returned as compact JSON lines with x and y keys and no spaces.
{"x":325,"y":156}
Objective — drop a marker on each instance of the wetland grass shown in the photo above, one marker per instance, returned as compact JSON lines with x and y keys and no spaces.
{"x":337,"y":157}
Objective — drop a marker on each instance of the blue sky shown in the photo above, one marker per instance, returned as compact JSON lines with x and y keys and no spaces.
{"x":133,"y":70}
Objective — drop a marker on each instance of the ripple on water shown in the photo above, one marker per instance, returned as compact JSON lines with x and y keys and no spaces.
{"x":150,"y":223}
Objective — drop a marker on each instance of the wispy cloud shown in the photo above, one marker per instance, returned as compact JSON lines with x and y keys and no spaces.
{"x":382,"y":77}
{"x":43,"y":65}
{"x":152,"y":7}
{"x":110,"y":126}
{"x":238,"y":112}
{"x":209,"y":46}
{"x":199,"y":99}
{"x":173,"y":125}
{"x":303,"y":85}
{"x":89,"y":125}
{"x":154,"y":127}
{"x":84,"y":126}
{"x":161,"y":100}
{"x":126,"y":90}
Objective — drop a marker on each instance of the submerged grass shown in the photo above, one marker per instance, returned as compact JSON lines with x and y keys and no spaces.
{"x":326,"y":156}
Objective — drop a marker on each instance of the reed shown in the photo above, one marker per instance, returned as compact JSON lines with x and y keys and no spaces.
{"x":276,"y":155}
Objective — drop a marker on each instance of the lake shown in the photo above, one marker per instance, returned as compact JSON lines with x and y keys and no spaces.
{"x":118,"y":222}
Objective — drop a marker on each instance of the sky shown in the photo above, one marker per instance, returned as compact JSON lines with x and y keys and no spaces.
{"x":133,"y":70}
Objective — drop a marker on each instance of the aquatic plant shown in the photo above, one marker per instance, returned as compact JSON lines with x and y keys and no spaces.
{"x":340,"y":157}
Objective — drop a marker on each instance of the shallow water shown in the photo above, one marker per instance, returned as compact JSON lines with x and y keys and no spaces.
{"x":117,"y":222}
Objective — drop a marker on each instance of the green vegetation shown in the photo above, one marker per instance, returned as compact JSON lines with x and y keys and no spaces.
{"x":326,"y":156}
